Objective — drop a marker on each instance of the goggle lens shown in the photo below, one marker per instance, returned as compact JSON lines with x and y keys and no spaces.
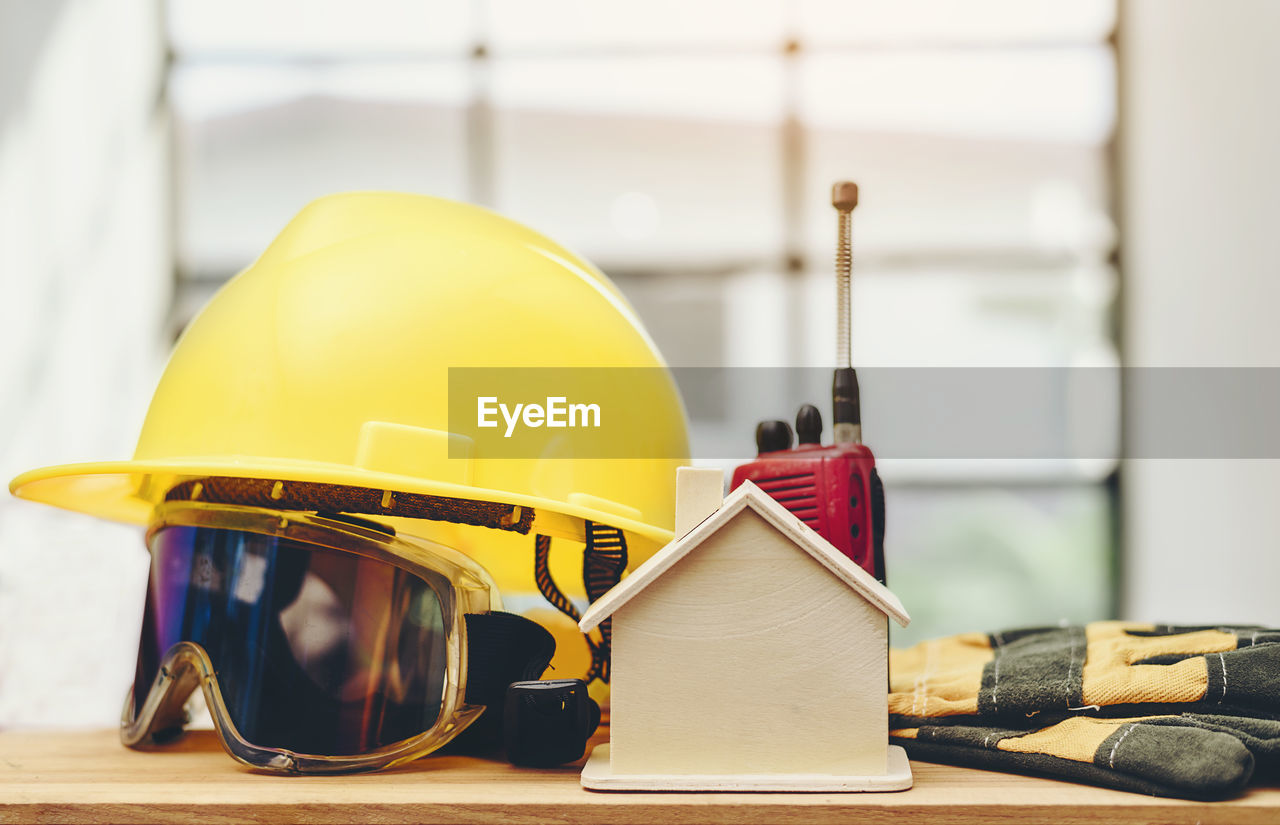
{"x":316,"y":650}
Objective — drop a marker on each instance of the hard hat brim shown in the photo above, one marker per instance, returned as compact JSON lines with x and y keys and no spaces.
{"x":128,"y":491}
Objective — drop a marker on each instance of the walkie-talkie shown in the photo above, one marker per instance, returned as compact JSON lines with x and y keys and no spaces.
{"x":834,"y":489}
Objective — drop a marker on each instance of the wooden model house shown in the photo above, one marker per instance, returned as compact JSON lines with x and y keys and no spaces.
{"x":748,"y":654}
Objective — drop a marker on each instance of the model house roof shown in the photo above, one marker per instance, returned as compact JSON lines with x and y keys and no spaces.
{"x":749,"y":496}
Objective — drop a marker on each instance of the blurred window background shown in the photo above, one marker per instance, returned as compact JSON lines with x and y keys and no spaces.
{"x":685,"y":148}
{"x":688,"y":150}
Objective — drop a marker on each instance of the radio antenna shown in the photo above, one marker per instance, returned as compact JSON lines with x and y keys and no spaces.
{"x":847,"y":413}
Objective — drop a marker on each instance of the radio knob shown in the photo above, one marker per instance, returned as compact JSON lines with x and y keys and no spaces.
{"x":772,"y":436}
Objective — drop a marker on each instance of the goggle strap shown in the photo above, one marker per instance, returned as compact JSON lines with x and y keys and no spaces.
{"x":503,"y":648}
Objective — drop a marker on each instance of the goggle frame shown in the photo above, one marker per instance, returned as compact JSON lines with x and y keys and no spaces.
{"x":461,"y":585}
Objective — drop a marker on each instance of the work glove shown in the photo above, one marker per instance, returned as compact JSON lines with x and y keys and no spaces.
{"x":1171,"y":711}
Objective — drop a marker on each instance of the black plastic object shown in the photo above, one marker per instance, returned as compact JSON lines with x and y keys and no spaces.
{"x":809,"y":425}
{"x":877,"y":525}
{"x":772,"y":436}
{"x":547,"y":723}
{"x":845,"y":397}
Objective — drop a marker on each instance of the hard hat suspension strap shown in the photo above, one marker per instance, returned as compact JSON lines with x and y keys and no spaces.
{"x":603,"y":560}
{"x":547,"y":585}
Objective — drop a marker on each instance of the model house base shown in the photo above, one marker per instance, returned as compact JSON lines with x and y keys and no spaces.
{"x":598,"y":775}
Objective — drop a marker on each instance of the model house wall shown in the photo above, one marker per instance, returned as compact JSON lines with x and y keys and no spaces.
{"x":749,"y":657}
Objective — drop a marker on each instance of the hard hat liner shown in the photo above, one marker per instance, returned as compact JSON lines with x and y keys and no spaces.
{"x":345,"y":498}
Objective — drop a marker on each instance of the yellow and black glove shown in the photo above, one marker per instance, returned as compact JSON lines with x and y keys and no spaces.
{"x":1172,"y":711}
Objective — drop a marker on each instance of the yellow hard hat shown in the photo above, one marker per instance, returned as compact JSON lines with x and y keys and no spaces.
{"x":327,"y":361}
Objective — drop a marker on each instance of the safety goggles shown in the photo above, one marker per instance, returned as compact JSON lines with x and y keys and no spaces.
{"x":322,"y":643}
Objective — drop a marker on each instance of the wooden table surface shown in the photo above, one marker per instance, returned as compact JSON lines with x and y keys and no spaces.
{"x":90,"y":777}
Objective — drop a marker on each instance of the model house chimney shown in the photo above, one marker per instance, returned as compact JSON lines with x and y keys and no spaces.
{"x":699,"y":493}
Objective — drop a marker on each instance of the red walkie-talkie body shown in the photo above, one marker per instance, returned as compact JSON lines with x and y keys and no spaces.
{"x":834,"y":489}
